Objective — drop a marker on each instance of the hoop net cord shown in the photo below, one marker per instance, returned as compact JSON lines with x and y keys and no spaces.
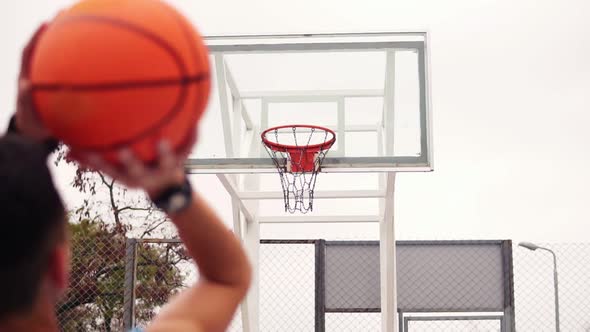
{"x":299,"y":162}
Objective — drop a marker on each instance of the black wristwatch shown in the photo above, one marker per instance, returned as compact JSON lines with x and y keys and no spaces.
{"x":176,"y":198}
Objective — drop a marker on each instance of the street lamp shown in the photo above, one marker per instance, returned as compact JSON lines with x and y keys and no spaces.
{"x":533,"y":247}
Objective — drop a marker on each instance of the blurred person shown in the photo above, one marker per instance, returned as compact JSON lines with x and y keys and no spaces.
{"x":36,"y":250}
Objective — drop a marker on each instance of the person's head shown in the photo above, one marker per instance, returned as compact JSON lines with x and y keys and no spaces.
{"x":34,"y":253}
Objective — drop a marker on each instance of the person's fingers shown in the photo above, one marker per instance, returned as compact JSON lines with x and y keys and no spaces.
{"x":24,"y":90}
{"x":26,"y":103}
{"x":84,"y":160}
{"x":133,"y":167}
{"x":75,"y":155}
{"x":98,"y":164}
{"x":167,"y":159}
{"x":25,"y":60}
{"x":24,"y":85}
{"x":187,"y":148}
{"x":30,"y":49}
{"x":189,"y":142}
{"x":182,"y":157}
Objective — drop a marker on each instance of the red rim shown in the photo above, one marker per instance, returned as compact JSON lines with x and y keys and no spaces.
{"x":280,"y":147}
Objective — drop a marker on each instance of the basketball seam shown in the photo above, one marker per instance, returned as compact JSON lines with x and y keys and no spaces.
{"x":133,"y":28}
{"x":180,"y":20}
{"x":185,"y":31}
{"x":155,"y":83}
{"x":125,"y":85}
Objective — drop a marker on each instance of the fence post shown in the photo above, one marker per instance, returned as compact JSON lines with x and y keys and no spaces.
{"x":320,"y":286}
{"x":130,"y":278}
{"x":509,"y":324}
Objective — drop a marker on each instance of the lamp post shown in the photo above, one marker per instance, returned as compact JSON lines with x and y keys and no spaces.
{"x":533,"y":247}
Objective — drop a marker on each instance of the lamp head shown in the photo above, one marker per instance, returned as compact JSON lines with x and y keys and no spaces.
{"x":529,"y":245}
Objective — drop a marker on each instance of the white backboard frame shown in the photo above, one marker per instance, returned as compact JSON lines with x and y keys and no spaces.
{"x":256,"y":162}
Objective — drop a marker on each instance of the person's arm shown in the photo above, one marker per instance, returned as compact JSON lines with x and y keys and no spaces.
{"x":225,"y":273}
{"x":223,"y":266}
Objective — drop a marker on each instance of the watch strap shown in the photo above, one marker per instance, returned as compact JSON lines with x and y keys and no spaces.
{"x":176,"y":198}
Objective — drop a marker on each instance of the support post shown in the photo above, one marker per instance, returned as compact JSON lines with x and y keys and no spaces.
{"x":388,"y":261}
{"x":389,"y":104}
{"x":252,"y":303}
{"x":251,"y":239}
{"x":508,"y":323}
{"x":341,"y":124}
{"x":130,"y":278}
{"x":233,"y":191}
{"x":224,"y":105}
{"x":263,"y":124}
{"x":320,"y":286}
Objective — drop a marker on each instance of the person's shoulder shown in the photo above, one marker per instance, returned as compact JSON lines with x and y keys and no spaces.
{"x":172,"y":326}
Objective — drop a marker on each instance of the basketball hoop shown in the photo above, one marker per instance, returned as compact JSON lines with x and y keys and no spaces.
{"x":298,"y":152}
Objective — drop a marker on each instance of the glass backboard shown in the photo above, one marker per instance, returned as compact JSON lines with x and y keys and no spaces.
{"x":371,"y":89}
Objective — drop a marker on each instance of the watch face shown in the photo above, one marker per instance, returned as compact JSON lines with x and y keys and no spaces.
{"x":177,"y":202}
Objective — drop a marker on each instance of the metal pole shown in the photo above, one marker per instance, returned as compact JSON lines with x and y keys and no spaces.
{"x":508,"y":323}
{"x":555,"y":288}
{"x":130,"y":277}
{"x":533,"y":247}
{"x":556,"y":300}
{"x":387,"y":259}
{"x":320,"y":286}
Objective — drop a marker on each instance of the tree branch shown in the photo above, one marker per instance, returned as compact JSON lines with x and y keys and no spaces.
{"x":133,"y":209}
{"x":114,"y":206}
{"x":153,"y":227}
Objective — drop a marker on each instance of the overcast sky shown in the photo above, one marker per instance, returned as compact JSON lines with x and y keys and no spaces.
{"x":510,"y":103}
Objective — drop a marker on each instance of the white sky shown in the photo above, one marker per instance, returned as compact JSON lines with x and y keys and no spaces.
{"x":510,"y":83}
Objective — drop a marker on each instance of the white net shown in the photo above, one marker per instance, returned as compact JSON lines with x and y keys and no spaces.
{"x":298,"y":153}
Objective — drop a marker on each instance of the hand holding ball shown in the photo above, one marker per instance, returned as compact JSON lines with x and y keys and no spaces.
{"x":112,"y":74}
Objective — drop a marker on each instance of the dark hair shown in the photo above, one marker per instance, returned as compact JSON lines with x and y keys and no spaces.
{"x":32,"y":217}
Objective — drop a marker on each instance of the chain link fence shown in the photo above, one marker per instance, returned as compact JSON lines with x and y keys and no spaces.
{"x":453,"y":324}
{"x":534,"y":288}
{"x":288,"y":305}
{"x":353,"y":321}
{"x":293,"y":295}
{"x":439,"y":278}
{"x":94,"y":301}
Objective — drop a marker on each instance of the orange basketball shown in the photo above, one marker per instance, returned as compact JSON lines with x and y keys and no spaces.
{"x":109,"y":74}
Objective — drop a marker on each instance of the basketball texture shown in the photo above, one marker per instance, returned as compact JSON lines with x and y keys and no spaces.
{"x":109,"y":74}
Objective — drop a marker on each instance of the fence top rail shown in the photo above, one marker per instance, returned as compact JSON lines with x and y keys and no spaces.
{"x":452,"y":318}
{"x":159,"y":241}
{"x":270,"y":241}
{"x":348,"y":243}
{"x":289,"y":241}
{"x":414,"y":311}
{"x":420,"y":242}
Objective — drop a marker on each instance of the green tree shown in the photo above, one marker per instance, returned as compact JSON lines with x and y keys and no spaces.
{"x":94,"y":301}
{"x":99,"y":230}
